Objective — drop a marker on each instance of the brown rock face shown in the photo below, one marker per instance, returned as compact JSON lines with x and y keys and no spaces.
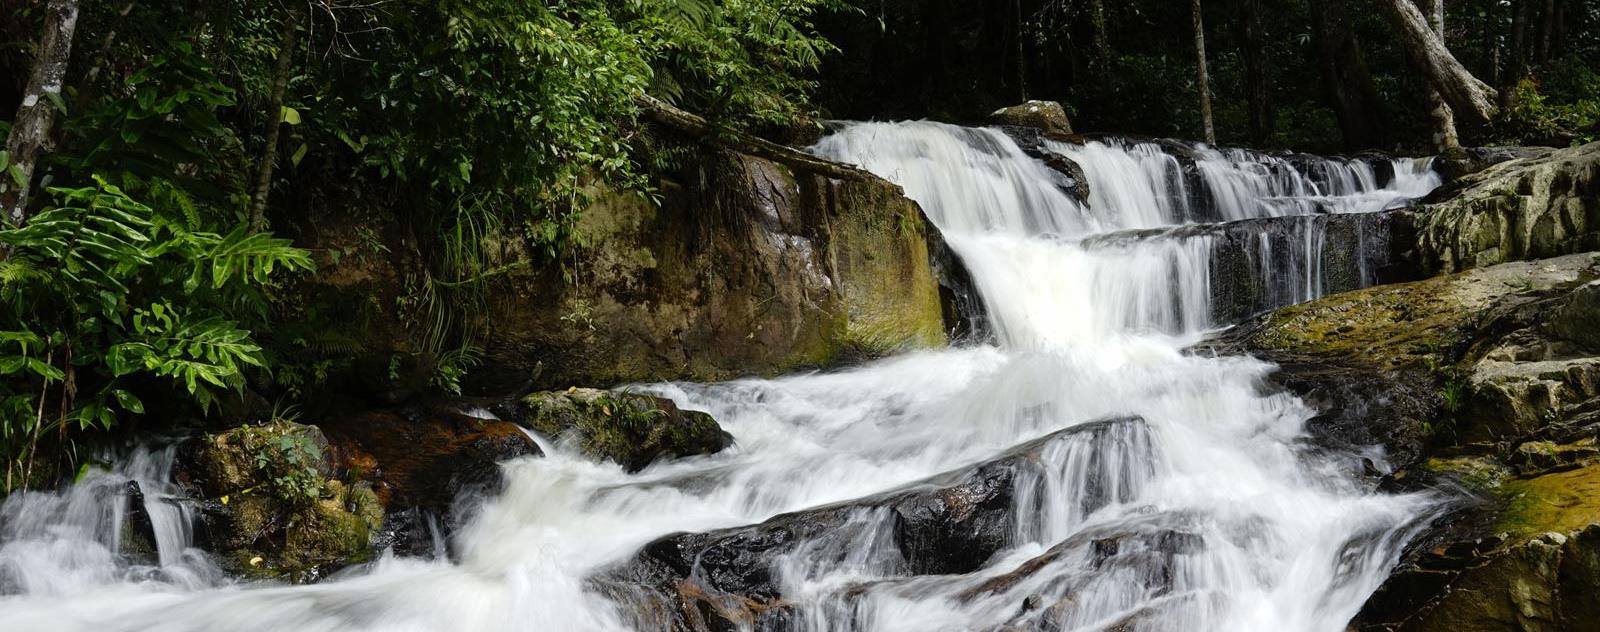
{"x":744,"y":267}
{"x":425,"y":456}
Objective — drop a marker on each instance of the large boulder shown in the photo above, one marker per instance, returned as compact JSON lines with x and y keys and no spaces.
{"x":630,"y":429}
{"x":949,"y":524}
{"x":1534,"y":205}
{"x":286,"y":500}
{"x":1482,"y":382}
{"x":737,"y":266}
{"x":429,"y":466}
{"x":274,"y":506}
{"x":1047,"y":116}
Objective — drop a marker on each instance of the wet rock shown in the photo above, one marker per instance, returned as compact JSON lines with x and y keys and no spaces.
{"x":1068,"y":175}
{"x":1540,"y":584}
{"x":1262,"y":264}
{"x":275,"y":510}
{"x":949,"y":524}
{"x":744,"y":267}
{"x":1481,"y":386}
{"x":630,"y":429}
{"x":138,"y":532}
{"x":428,"y":466}
{"x":1047,"y":116}
{"x":1528,"y":207}
{"x":1459,"y":361}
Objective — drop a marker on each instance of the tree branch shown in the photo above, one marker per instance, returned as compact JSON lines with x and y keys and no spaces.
{"x":665,"y":114}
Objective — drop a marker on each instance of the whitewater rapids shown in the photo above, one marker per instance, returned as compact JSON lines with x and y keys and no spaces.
{"x":1285,"y":538}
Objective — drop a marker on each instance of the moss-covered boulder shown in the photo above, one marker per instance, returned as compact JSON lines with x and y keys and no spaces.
{"x":630,"y":429}
{"x":1048,"y":116}
{"x":279,"y":511}
{"x":742,"y":266}
{"x":1535,"y":205}
{"x":1532,"y":563}
{"x":1483,"y":381}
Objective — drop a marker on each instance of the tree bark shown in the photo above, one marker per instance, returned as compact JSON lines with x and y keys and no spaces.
{"x":269,"y":152}
{"x":30,"y":132}
{"x":1022,"y":56}
{"x":1444,"y":119}
{"x":1258,"y":99}
{"x":1203,"y":78}
{"x":1547,"y":32}
{"x":1464,"y":92}
{"x":1347,"y":82}
{"x":1101,"y":41}
{"x":665,"y":114}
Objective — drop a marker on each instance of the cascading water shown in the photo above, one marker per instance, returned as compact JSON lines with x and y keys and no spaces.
{"x":1160,"y":491}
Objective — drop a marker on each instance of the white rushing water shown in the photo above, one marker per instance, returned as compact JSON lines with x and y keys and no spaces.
{"x":1227,"y":520}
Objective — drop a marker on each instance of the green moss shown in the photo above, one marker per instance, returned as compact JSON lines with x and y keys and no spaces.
{"x":1561,"y":502}
{"x":629,"y":429}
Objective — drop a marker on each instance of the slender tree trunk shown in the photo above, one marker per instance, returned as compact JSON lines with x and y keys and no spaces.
{"x":98,"y":62}
{"x":1022,"y":56}
{"x":1255,"y":76}
{"x":269,"y":152}
{"x":1203,"y":78}
{"x":1347,"y":82}
{"x":1444,"y":119}
{"x":1101,"y":41}
{"x":1519,"y":51}
{"x":30,"y":132}
{"x":1464,"y":92}
{"x":1547,"y":31}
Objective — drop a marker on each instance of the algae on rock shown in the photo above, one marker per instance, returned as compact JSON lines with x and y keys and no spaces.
{"x":630,"y":429}
{"x":284,"y":513}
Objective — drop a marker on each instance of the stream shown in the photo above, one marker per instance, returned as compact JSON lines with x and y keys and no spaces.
{"x":1222,"y":514}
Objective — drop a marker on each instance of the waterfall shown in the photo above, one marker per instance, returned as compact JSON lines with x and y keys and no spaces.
{"x":126,"y":524}
{"x":1157,"y":490}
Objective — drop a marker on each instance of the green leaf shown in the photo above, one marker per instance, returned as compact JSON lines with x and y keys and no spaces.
{"x":16,"y":175}
{"x":291,"y":115}
{"x":299,"y":154}
{"x":128,"y":401}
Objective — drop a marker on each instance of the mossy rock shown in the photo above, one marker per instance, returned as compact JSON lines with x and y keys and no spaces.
{"x":284,"y":516}
{"x":242,"y":458}
{"x":630,"y":429}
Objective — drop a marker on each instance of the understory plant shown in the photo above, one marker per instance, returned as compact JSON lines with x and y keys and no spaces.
{"x":102,"y":299}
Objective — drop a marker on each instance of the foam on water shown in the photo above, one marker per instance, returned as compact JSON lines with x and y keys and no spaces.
{"x":1224,"y":520}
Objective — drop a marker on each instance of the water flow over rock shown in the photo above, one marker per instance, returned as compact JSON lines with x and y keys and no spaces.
{"x":978,"y":488}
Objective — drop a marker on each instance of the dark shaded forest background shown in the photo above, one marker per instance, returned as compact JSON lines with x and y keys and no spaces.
{"x":1311,"y":75}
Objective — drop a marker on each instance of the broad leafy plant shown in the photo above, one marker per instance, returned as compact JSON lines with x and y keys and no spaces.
{"x":101,"y":292}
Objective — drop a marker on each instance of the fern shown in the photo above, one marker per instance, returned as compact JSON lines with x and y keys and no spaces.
{"x":106,"y":283}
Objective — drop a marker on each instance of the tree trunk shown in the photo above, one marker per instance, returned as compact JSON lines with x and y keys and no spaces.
{"x":1464,"y":92}
{"x":1022,"y":56}
{"x":30,"y":132}
{"x":1444,"y":119}
{"x":1203,"y":78}
{"x":269,"y":152}
{"x":1101,"y":41}
{"x":1346,"y":80}
{"x":1259,"y":102}
{"x":1519,"y":51}
{"x":1547,"y":30}
{"x":665,"y":114}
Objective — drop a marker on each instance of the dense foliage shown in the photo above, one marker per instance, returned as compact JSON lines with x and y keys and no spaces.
{"x":1280,"y":70}
{"x":190,"y":129}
